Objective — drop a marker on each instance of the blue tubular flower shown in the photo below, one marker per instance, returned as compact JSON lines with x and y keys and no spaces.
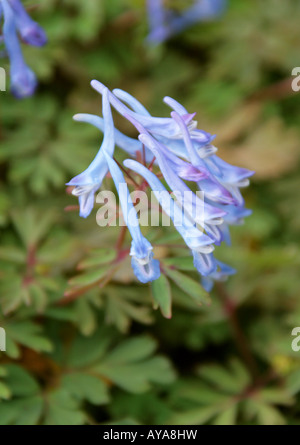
{"x":166,"y":23}
{"x":144,"y":266}
{"x":160,"y":126}
{"x":23,"y":79}
{"x":210,"y":186}
{"x":205,"y":263}
{"x":130,"y":145}
{"x":156,"y":17}
{"x":200,"y":244}
{"x":175,"y":146}
{"x":163,"y":128}
{"x":204,"y":10}
{"x":88,"y":182}
{"x":234,"y":217}
{"x":201,"y":139}
{"x":183,"y":153}
{"x":131,"y":101}
{"x":191,"y":201}
{"x":193,"y":237}
{"x":229,"y":174}
{"x":209,"y":218}
{"x":221,"y":274}
{"x":30,"y":31}
{"x":231,"y":177}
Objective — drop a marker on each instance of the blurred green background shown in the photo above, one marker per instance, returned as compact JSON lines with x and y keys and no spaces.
{"x":102,"y":353}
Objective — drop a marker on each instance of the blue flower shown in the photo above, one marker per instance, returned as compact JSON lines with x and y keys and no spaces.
{"x":89,"y":181}
{"x":183,"y":153}
{"x":23,"y":79}
{"x":144,"y":266}
{"x":209,"y":185}
{"x":159,"y":126}
{"x":222,"y":272}
{"x":129,"y":145}
{"x":164,"y":23}
{"x":199,"y":243}
{"x":30,"y":31}
{"x":177,"y":185}
{"x":156,"y":17}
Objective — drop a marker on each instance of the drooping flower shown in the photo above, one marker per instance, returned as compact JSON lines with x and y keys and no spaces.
{"x":16,"y":20}
{"x":144,"y":266}
{"x":177,"y":185}
{"x":130,"y":145}
{"x":89,"y":181}
{"x":30,"y":31}
{"x":164,"y":22}
{"x":183,"y":153}
{"x":222,"y":272}
{"x":199,"y":243}
{"x":159,"y":126}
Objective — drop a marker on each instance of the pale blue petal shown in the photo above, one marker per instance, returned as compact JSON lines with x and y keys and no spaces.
{"x":191,"y":235}
{"x":204,"y":263}
{"x":131,"y":101}
{"x":130,"y":145}
{"x":144,"y":266}
{"x":147,"y":272}
{"x":91,"y":179}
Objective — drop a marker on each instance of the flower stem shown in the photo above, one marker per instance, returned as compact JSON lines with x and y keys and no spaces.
{"x":238,"y":333}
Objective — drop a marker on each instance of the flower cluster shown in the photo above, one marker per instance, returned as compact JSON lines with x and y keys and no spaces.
{"x":183,"y":153}
{"x":164,"y":23}
{"x":18,"y":24}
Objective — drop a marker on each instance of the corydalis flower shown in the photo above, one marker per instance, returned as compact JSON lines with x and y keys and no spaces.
{"x":16,"y":20}
{"x":89,"y":181}
{"x":183,"y":153}
{"x":144,"y":266}
{"x":221,"y":273}
{"x":199,"y":243}
{"x":164,"y":23}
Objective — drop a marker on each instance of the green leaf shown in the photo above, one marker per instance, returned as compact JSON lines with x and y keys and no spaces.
{"x":131,"y":366}
{"x":85,"y":317}
{"x":5,"y":392}
{"x":85,"y":386}
{"x":28,"y":334}
{"x":161,"y":292}
{"x":199,"y":416}
{"x":63,"y":409}
{"x":181,"y":263}
{"x":88,"y":278}
{"x":20,"y":382}
{"x":293,"y":382}
{"x":30,"y":411}
{"x":221,"y":378}
{"x":124,"y":304}
{"x":227,"y":417}
{"x":189,"y":286}
{"x":32,"y":225}
{"x":25,"y":411}
{"x":264,"y":413}
{"x":98,"y":257}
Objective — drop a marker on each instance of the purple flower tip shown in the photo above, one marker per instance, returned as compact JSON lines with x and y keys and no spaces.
{"x":23,"y":83}
{"x":34,"y":35}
